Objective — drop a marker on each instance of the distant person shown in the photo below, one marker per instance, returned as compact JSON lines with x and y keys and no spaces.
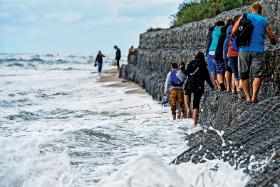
{"x":217,"y":64}
{"x":130,"y":52}
{"x":174,"y":88}
{"x":99,"y":62}
{"x":251,"y":57}
{"x":118,"y":57}
{"x":197,"y":74}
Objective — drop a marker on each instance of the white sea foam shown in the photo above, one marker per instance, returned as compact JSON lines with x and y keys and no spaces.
{"x":59,"y":127}
{"x":148,"y":170}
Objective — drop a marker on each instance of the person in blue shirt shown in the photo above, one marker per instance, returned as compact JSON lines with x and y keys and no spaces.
{"x":251,"y":57}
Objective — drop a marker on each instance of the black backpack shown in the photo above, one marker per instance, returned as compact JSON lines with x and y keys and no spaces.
{"x":244,"y":32}
{"x":195,"y":78}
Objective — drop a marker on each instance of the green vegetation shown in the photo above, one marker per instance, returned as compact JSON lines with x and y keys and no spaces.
{"x":195,"y":10}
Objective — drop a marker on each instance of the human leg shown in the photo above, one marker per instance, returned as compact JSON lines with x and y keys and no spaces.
{"x":172,"y":101}
{"x":256,"y":87}
{"x":188,"y":103}
{"x":219,"y":71}
{"x":181,"y":102}
{"x":257,"y":71}
{"x":196,"y":102}
{"x":244,"y":65}
{"x":118,"y":64}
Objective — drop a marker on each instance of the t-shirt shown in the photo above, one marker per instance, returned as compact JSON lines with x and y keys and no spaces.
{"x":215,"y":38}
{"x":258,"y":37}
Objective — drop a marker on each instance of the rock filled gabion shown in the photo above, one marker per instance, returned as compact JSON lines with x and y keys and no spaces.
{"x":251,"y":132}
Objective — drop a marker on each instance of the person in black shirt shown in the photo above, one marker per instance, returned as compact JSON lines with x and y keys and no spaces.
{"x":99,"y":62}
{"x":197,"y":74}
{"x":118,"y":57}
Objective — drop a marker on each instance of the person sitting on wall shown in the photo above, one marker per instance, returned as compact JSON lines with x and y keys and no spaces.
{"x":197,"y":74}
{"x":174,"y":86}
{"x":131,"y":52}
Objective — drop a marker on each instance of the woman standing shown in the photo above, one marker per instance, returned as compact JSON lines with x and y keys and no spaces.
{"x":99,"y":62}
{"x":197,"y":74}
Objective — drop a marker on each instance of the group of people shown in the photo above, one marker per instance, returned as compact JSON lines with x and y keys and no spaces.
{"x":100,"y":56}
{"x":230,"y":64}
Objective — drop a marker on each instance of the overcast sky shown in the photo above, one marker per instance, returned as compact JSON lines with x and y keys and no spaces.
{"x":78,"y":26}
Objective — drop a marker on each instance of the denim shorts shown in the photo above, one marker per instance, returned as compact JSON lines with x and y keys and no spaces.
{"x":233,"y":64}
{"x":212,"y":65}
{"x":250,"y":63}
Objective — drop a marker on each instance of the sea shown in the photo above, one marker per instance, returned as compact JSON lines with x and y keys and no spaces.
{"x":61,"y":124}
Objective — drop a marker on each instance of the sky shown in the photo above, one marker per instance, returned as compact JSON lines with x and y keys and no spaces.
{"x":79,"y":26}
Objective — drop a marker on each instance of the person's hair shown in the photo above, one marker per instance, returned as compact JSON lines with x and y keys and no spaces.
{"x":182,"y":63}
{"x":235,"y":19}
{"x":174,"y":65}
{"x":115,"y":46}
{"x":257,"y":7}
{"x":200,"y":56}
{"x":220,"y":23}
{"x":228,"y":21}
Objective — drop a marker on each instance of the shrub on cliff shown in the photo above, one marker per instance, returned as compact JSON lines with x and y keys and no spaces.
{"x":195,"y":10}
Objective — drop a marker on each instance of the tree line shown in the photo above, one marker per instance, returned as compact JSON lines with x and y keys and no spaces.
{"x":195,"y":10}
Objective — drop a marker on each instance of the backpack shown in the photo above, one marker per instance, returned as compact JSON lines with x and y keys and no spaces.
{"x":244,"y":32}
{"x":195,"y":79}
{"x":175,"y":81}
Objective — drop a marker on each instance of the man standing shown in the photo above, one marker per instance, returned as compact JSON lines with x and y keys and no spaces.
{"x":118,"y":57}
{"x":174,"y":86}
{"x":251,"y":57}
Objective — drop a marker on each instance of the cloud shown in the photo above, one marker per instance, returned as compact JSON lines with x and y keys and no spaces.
{"x":64,"y":17}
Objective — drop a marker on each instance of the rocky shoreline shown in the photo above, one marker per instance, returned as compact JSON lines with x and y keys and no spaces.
{"x":247,"y":136}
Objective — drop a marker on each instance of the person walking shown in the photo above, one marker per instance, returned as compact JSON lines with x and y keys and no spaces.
{"x":174,"y":88}
{"x":217,"y":63}
{"x":232,"y":54}
{"x":251,"y":57}
{"x":99,"y":62}
{"x":197,"y":73}
{"x":118,"y":57}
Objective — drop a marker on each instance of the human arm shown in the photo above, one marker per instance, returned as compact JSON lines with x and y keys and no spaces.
{"x":167,"y":83}
{"x":235,"y":27}
{"x":271,"y":35}
{"x":207,"y":77}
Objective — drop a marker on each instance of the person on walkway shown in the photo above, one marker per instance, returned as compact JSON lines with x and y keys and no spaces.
{"x":209,"y":59}
{"x":174,"y":88}
{"x":251,"y":57}
{"x":99,"y":62}
{"x":221,"y":53}
{"x":118,"y":57}
{"x":197,"y":73}
{"x":232,"y":54}
{"x":217,"y":64}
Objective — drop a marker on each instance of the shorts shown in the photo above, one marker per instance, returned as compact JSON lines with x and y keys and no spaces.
{"x":250,"y":63}
{"x":212,"y":65}
{"x":227,"y":65}
{"x":233,"y":64}
{"x":196,"y":98}
{"x":219,"y":67}
{"x":176,"y":95}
